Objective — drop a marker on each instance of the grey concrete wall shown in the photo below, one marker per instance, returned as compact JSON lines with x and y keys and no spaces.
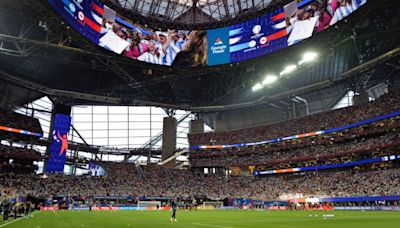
{"x":169,"y":137}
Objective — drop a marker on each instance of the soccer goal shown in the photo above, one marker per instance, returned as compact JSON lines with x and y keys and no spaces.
{"x":213,"y":204}
{"x":149,"y":203}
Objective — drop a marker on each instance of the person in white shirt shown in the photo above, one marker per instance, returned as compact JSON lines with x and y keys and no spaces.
{"x":168,"y":47}
{"x":153,"y":55}
{"x":345,"y":7}
{"x":178,"y":40}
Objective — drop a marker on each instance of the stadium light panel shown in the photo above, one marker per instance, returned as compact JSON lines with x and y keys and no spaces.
{"x":288,"y":69}
{"x":257,"y":87}
{"x":269,"y":79}
{"x":308,"y":57}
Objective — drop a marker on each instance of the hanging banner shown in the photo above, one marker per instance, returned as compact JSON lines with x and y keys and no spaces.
{"x":59,"y":144}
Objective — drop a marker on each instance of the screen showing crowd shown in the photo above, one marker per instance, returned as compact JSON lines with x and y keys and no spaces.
{"x":105,"y":27}
{"x":148,"y":45}
{"x":275,"y":30}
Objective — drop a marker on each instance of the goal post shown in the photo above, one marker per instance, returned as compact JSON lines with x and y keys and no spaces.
{"x":213,"y":204}
{"x":149,"y":204}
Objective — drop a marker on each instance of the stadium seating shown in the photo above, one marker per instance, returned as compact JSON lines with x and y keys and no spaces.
{"x":124,"y":180}
{"x":359,"y":141}
{"x":321,"y":149}
{"x":372,"y":140}
{"x":19,"y":122}
{"x":336,"y":118}
{"x":18,"y":160}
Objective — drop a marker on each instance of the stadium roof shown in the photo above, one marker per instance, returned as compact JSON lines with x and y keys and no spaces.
{"x":13,"y":95}
{"x":173,"y":9}
{"x":41,"y":53}
{"x":191,"y":12}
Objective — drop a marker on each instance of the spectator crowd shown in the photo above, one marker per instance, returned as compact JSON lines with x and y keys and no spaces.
{"x":19,"y":121}
{"x":353,"y":144}
{"x":157,"y":47}
{"x":320,"y":121}
{"x":329,"y":12}
{"x":127,"y":180}
{"x":18,"y":160}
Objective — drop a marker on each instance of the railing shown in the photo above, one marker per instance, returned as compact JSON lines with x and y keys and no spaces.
{"x":179,"y":153}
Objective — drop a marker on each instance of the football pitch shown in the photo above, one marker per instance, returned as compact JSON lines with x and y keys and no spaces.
{"x":204,"y":219}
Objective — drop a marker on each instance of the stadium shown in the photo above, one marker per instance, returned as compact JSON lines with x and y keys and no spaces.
{"x":199,"y":113}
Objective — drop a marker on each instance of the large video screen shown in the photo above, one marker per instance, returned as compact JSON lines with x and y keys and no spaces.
{"x":96,"y":170}
{"x":247,"y":40}
{"x":103,"y":26}
{"x":284,"y":27}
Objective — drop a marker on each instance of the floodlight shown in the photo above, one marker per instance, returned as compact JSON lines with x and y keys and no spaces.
{"x":288,"y":69}
{"x":269,"y":79}
{"x":308,"y":57}
{"x":256,"y":87}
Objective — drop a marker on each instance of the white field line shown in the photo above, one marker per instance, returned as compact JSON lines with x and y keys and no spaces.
{"x":210,"y":225}
{"x":8,"y":223}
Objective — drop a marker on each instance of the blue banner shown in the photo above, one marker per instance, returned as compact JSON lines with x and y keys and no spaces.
{"x":360,"y":199}
{"x":331,"y":166}
{"x":218,"y":46}
{"x":59,"y":144}
{"x":368,"y":208}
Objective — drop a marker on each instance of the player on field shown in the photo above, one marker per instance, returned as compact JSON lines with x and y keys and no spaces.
{"x":173,"y":207}
{"x":90,"y":206}
{"x":28,"y":208}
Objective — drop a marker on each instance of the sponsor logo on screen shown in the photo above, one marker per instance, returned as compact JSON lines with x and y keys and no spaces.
{"x":218,"y":47}
{"x":218,"y":41}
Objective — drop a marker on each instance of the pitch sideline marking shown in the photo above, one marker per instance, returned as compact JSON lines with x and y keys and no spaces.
{"x":210,"y":225}
{"x":8,"y":223}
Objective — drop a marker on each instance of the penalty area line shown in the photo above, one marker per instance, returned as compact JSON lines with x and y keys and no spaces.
{"x":210,"y":225}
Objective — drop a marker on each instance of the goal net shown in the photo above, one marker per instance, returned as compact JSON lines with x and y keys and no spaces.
{"x":213,"y":204}
{"x":149,"y":204}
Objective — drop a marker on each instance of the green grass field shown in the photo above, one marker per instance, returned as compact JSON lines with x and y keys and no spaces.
{"x":216,"y":219}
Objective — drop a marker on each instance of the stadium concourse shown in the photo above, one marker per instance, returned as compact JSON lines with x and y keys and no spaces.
{"x":206,"y":113}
